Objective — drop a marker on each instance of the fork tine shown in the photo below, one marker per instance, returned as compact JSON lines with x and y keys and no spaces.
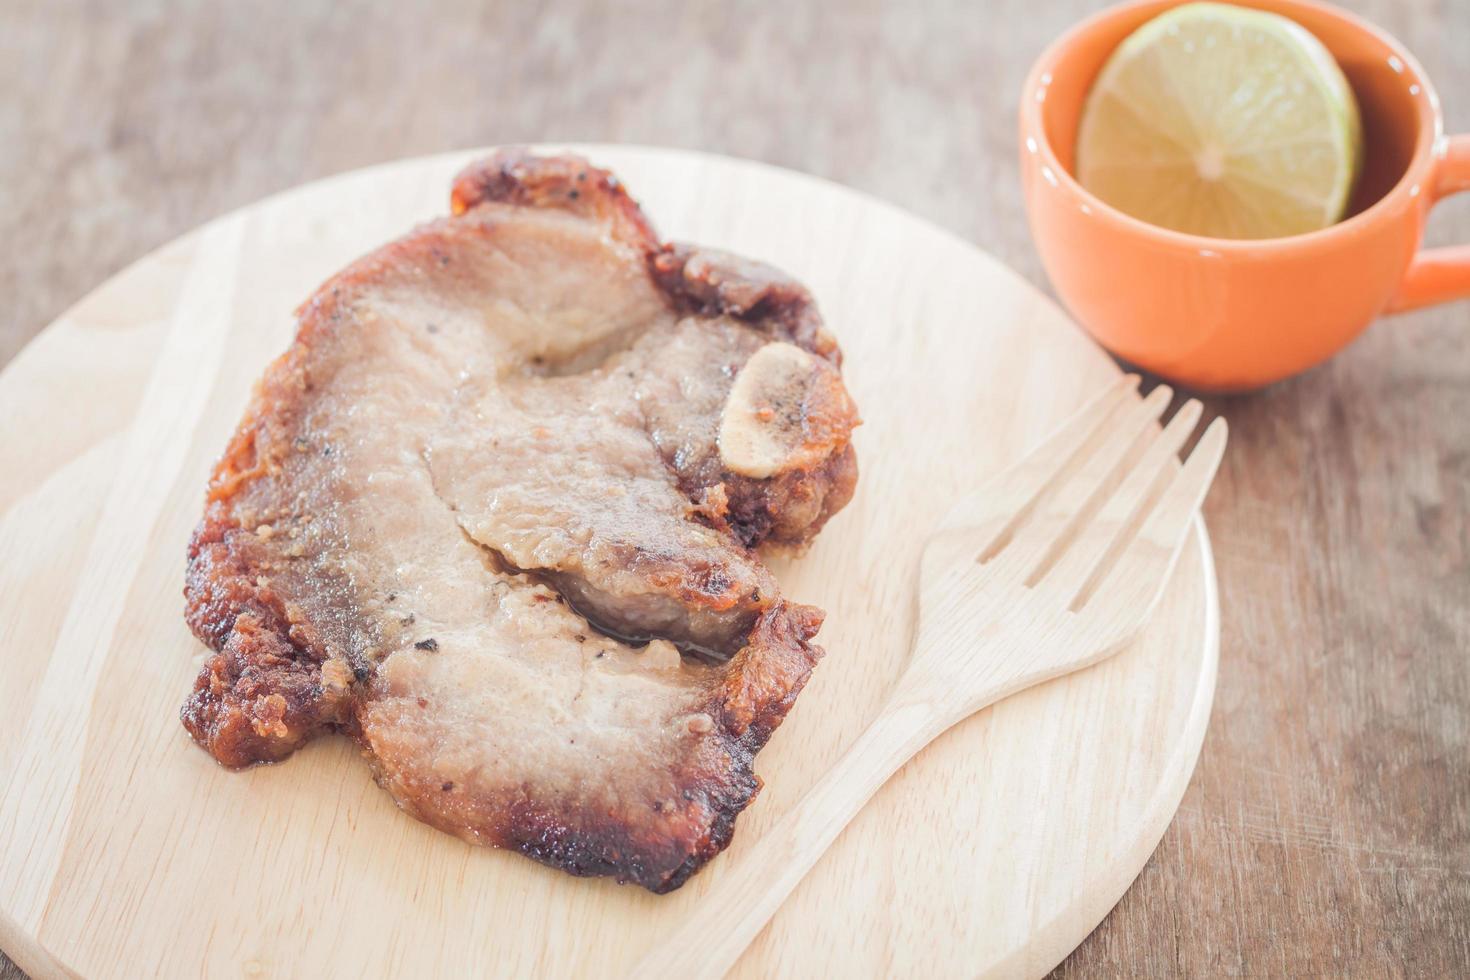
{"x":1149,"y":555}
{"x":1077,"y":555}
{"x":1027,"y":479}
{"x":1069,"y":502}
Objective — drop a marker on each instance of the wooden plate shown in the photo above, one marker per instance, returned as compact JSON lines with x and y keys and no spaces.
{"x":125,"y":851}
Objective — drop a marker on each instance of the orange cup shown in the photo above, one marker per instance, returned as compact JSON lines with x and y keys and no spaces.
{"x":1228,"y":314}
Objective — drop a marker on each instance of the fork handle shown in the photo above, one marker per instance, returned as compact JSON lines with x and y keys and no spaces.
{"x":746,"y":894}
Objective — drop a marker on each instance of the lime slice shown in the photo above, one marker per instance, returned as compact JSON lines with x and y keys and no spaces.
{"x":1222,"y":121}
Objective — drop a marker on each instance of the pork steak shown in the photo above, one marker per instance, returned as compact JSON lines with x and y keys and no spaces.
{"x":495,"y":514}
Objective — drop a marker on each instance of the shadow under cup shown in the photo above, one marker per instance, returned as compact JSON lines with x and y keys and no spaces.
{"x":1208,"y":311}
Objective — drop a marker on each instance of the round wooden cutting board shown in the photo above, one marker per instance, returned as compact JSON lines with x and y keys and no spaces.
{"x":125,"y":851}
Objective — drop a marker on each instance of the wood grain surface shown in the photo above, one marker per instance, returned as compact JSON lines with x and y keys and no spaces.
{"x":996,"y":850}
{"x":1327,"y":829}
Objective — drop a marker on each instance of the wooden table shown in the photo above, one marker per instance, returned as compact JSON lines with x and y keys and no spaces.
{"x":1327,"y":829}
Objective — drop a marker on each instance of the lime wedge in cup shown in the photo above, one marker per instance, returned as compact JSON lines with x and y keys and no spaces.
{"x":1222,"y":121}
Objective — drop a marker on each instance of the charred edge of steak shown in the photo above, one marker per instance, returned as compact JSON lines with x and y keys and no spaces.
{"x":750,"y":708}
{"x":658,"y":849}
{"x":563,"y":183}
{"x":787,"y":510}
{"x":262,"y":694}
{"x":710,"y":282}
{"x":607,"y":846}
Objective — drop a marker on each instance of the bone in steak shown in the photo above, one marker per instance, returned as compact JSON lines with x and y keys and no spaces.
{"x":513,"y":465}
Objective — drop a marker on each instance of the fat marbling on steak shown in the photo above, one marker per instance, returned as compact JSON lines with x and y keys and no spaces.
{"x":494,"y":514}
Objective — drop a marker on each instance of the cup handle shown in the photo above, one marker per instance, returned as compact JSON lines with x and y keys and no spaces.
{"x":1438,"y":275}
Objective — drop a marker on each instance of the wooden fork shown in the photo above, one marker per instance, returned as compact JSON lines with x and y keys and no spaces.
{"x":1049,"y":567}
